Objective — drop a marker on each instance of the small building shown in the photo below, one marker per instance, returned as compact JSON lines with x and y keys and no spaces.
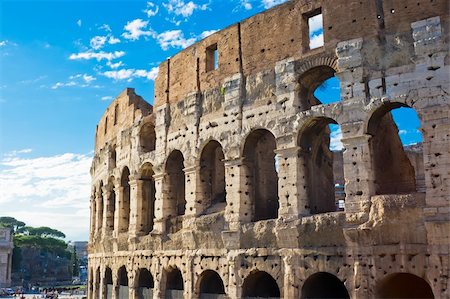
{"x":6,"y":247}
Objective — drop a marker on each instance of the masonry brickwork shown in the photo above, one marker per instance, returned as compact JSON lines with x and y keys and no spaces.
{"x":226,"y":188}
{"x":6,"y":247}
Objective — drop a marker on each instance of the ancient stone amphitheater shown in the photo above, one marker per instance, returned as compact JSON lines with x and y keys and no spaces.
{"x":227,"y":187}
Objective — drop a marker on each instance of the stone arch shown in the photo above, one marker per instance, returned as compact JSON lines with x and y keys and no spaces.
{"x":122,"y":283}
{"x":403,"y":285}
{"x":148,"y":197}
{"x":99,"y":216}
{"x":108,"y":283}
{"x":393,"y":171}
{"x":175,"y":186}
{"x":260,"y":284}
{"x":324,"y":285}
{"x":144,"y":284}
{"x":112,"y":157}
{"x":212,"y":177}
{"x":323,"y":182}
{"x":94,"y":212}
{"x":98,"y":275}
{"x":147,"y":137}
{"x":124,"y":212}
{"x":174,"y":284}
{"x":111,"y":204}
{"x":210,"y":285}
{"x":262,"y":178}
{"x":312,"y":74}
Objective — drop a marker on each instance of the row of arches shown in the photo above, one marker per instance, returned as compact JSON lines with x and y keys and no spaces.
{"x":258,"y":284}
{"x":320,"y":177}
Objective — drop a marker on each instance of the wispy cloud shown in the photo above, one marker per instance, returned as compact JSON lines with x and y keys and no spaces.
{"x":181,"y":8}
{"x":271,"y":3}
{"x":106,"y":98}
{"x":97,"y":55}
{"x":151,"y":10}
{"x":335,"y":138}
{"x":114,"y":65}
{"x":129,"y":74}
{"x":81,"y":80}
{"x":246,"y":4}
{"x":174,"y":39}
{"x":207,"y":33}
{"x":79,"y":23}
{"x":137,"y":28}
{"x":32,"y":81}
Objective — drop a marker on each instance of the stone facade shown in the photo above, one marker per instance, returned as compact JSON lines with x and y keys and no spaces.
{"x":6,"y":247}
{"x":226,"y":188}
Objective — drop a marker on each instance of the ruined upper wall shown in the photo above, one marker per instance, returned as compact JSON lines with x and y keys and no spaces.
{"x":120,"y":115}
{"x":259,"y":42}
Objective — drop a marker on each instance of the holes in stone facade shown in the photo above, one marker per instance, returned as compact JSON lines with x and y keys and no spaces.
{"x":403,"y":285}
{"x":147,"y":138}
{"x":262,"y":178}
{"x":324,"y":285}
{"x":212,"y":58}
{"x":260,"y":284}
{"x":125,"y":201}
{"x":318,"y":86}
{"x":212,"y":177}
{"x":210,"y":284}
{"x":319,"y":141}
{"x":175,"y":189}
{"x":148,"y":198}
{"x":397,"y":168}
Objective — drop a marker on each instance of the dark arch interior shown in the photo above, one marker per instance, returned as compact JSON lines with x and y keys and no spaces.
{"x":148,"y":138}
{"x":211,"y":283}
{"x":404,"y":285}
{"x":261,"y":285}
{"x":212,"y":174}
{"x":145,"y":279}
{"x":123,"y":276}
{"x":174,"y":280}
{"x":108,"y":276}
{"x":310,"y":81}
{"x":113,"y":157}
{"x":125,"y":183}
{"x":149,"y":197}
{"x":262,"y":175}
{"x":176,"y":182}
{"x":324,"y":285}
{"x":318,"y":160}
{"x":393,"y":170}
{"x":99,"y":218}
{"x":111,"y":205}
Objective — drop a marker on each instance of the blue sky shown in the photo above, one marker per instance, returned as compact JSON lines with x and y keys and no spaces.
{"x":61,"y":64}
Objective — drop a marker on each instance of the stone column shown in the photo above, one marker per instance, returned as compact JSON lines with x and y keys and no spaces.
{"x":90,"y":284}
{"x":136,"y":207}
{"x":95,"y":285}
{"x":161,"y":204}
{"x":93,"y":213}
{"x":192,"y":183}
{"x":102,"y":293}
{"x":100,"y":213}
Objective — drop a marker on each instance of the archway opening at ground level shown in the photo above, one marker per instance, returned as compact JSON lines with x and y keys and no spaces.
{"x":108,"y":283}
{"x":403,"y":285}
{"x":324,"y":285}
{"x":122,"y":281}
{"x":145,"y":284}
{"x":260,"y":284}
{"x":175,"y":182}
{"x":211,"y":284}
{"x":174,"y":284}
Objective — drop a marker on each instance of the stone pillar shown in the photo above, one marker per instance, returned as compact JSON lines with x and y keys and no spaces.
{"x":95,"y":285}
{"x":160,"y":203}
{"x":90,"y":284}
{"x":192,"y":183}
{"x":136,"y":207}
{"x":103,"y":291}
{"x":100,"y":213}
{"x":291,"y":181}
{"x":287,"y":85}
{"x":118,"y":213}
{"x":93,"y":213}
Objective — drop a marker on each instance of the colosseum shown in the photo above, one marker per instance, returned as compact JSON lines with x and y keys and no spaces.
{"x":227,"y":186}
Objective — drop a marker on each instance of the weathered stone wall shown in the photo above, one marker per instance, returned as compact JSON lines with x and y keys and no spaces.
{"x":231,"y":173}
{"x":6,"y":247}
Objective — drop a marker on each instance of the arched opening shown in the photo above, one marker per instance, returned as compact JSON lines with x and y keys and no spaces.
{"x":148,"y":198}
{"x":122,"y":277}
{"x":174,"y":284}
{"x":324,"y":285}
{"x":145,"y":284}
{"x":125,"y":202}
{"x":97,"y":283}
{"x":111,"y":205}
{"x":113,"y":158}
{"x":318,"y":86}
{"x":93,"y":213}
{"x":260,"y":284}
{"x":108,"y":283}
{"x":212,"y":177}
{"x":147,"y":137}
{"x":99,"y":220}
{"x":259,"y":159}
{"x":404,"y":285}
{"x":211,"y":285}
{"x":396,"y":150}
{"x":175,"y":190}
{"x":321,"y":157}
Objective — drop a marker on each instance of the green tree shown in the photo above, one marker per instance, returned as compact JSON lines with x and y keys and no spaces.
{"x":75,"y":263}
{"x":12,"y":223}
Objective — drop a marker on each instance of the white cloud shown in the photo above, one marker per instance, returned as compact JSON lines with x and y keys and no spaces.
{"x":315,"y":23}
{"x":3,"y":43}
{"x":97,"y":42}
{"x":135,"y":29}
{"x":64,"y":84}
{"x":106,"y":98}
{"x":97,"y":55}
{"x":181,"y":8}
{"x":105,"y":27}
{"x":207,"y":33}
{"x":271,"y":3}
{"x":88,"y":78}
{"x":79,"y":23}
{"x":81,"y":80}
{"x":246,"y":4}
{"x":129,"y":74}
{"x":114,"y":65}
{"x":335,"y":138}
{"x":113,"y":40}
{"x":47,"y":191}
{"x":175,"y":39}
{"x":316,"y":41}
{"x":151,"y":10}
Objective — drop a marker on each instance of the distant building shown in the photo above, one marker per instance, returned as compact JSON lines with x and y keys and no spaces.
{"x":81,"y":248}
{"x":6,"y":247}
